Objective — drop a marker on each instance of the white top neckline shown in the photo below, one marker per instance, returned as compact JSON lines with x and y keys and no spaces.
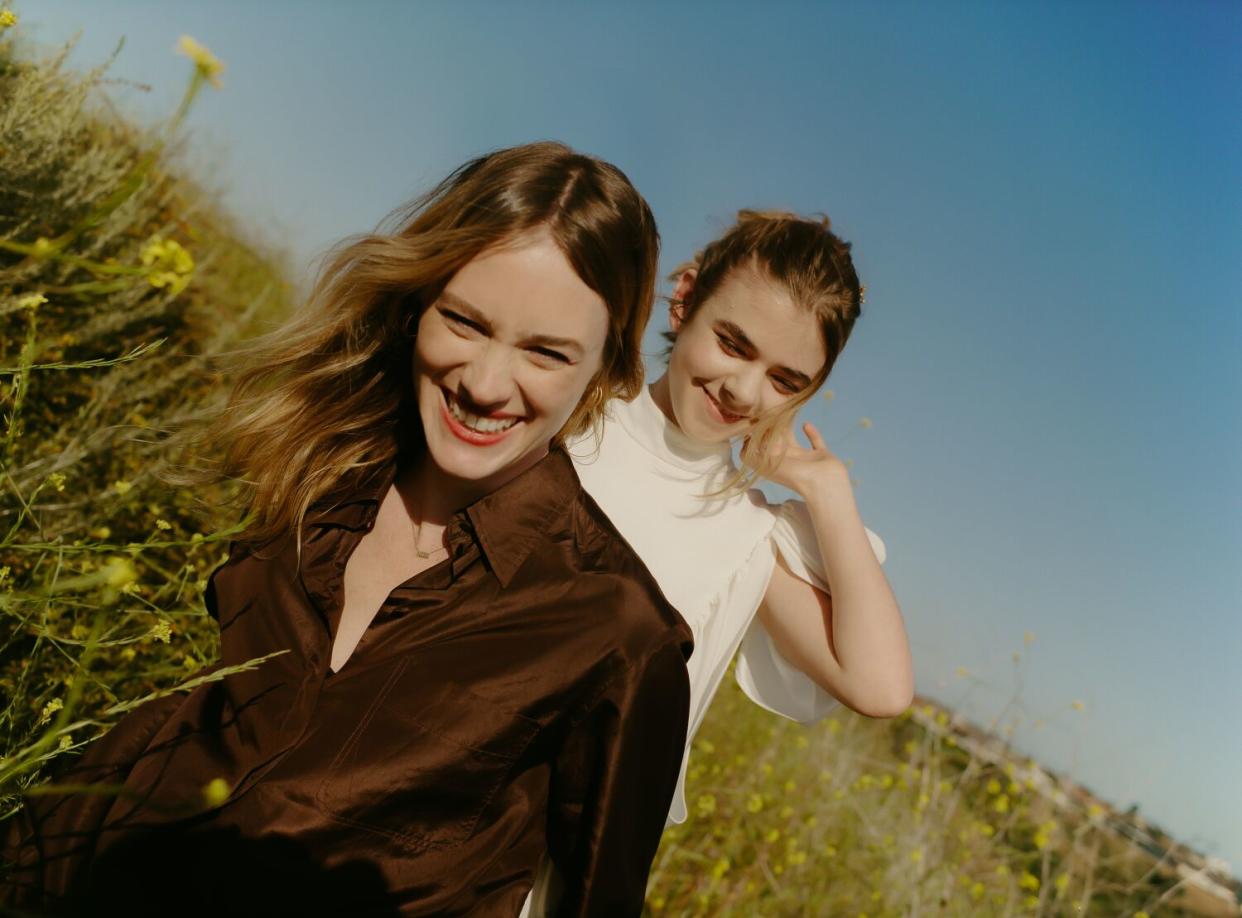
{"x":654,"y":432}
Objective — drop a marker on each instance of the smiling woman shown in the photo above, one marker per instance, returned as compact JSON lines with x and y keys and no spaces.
{"x":471,"y":666}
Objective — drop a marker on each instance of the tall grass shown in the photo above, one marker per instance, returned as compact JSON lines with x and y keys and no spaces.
{"x":118,"y":280}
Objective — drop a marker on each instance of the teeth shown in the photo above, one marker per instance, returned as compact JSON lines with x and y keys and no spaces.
{"x":476,"y":423}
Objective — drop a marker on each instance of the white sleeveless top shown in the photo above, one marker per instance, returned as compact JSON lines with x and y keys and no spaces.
{"x":712,"y":558}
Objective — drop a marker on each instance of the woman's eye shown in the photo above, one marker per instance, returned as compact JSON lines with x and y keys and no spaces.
{"x":460,"y":321}
{"x":727,"y":345}
{"x":785,"y":387}
{"x":549,"y":356}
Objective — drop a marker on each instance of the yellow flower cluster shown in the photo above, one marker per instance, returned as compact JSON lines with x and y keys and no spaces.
{"x":8,"y":19}
{"x":205,"y":62}
{"x":169,"y":264}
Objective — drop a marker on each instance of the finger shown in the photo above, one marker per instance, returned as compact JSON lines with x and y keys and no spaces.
{"x":812,"y":434}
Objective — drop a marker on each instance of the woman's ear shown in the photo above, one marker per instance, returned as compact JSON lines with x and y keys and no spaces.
{"x":682,"y":293}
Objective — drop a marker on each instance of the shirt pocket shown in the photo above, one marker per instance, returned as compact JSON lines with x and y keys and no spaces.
{"x":424,"y":762}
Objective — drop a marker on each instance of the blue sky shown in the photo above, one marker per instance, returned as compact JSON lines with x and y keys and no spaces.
{"x":1045,"y":202}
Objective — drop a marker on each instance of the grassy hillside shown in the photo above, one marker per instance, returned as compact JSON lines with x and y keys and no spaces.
{"x":118,"y":281}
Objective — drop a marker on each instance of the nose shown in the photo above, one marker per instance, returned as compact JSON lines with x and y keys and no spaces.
{"x":487,"y":379}
{"x":740,"y":391}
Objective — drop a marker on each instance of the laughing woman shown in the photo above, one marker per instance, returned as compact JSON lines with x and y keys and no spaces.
{"x":476,"y":665}
{"x":795,"y":590}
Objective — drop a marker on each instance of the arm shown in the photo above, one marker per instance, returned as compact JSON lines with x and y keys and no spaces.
{"x":612,"y":783}
{"x":852,"y":643}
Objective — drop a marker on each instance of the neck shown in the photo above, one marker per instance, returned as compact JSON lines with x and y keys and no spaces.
{"x":438,"y":495}
{"x":663,"y":398}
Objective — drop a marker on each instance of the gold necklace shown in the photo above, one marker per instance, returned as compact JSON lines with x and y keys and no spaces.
{"x":418,"y":532}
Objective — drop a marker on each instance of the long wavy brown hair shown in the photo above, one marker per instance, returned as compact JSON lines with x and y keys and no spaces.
{"x":329,"y":393}
{"x":805,"y":257}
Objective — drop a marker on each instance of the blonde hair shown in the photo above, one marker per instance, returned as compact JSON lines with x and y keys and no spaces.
{"x":329,"y":392}
{"x":813,"y":264}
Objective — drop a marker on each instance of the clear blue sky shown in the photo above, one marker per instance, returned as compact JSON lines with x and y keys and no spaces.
{"x":1046,"y":206}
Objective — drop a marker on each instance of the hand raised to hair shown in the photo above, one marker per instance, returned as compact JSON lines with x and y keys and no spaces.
{"x":805,"y":470}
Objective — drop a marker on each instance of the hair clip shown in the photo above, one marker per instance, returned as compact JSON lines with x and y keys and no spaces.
{"x":862,"y":293}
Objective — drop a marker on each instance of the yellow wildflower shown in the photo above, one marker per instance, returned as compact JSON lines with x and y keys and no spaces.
{"x":1095,"y":811}
{"x":838,"y":794}
{"x":161,"y":631}
{"x":1031,"y":902}
{"x":1061,"y":882}
{"x":1013,"y":789}
{"x":886,"y":781}
{"x":657,"y":904}
{"x":772,"y":836}
{"x":206,"y":63}
{"x":49,"y":709}
{"x":706,"y":804}
{"x":120,"y":572}
{"x":766,"y":768}
{"x":1029,"y":881}
{"x":43,"y":247}
{"x":8,"y":19}
{"x":786,"y":812}
{"x":65,"y":742}
{"x":1141,"y":914}
{"x":797,"y":858}
{"x":942,"y":718}
{"x":216,"y":791}
{"x":721,"y":868}
{"x":706,"y":746}
{"x":128,"y":654}
{"x":790,"y":787}
{"x":57,"y":481}
{"x":755,"y":803}
{"x":101,"y":532}
{"x":1078,"y":705}
{"x":917,"y":855}
{"x":830,"y":851}
{"x":977,"y":891}
{"x":170,"y":265}
{"x":994,"y":786}
{"x":923,"y":801}
{"x":801,"y":741}
{"x":834,"y":725}
{"x":1041,"y":839}
{"x":121,"y":487}
{"x":31,"y":301}
{"x":1002,"y":803}
{"x":1002,"y":870}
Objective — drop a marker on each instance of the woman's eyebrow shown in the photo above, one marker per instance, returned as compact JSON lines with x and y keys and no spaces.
{"x":796,"y":376}
{"x":474,"y":315}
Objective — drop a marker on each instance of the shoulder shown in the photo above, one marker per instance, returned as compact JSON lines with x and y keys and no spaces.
{"x":644,"y":616}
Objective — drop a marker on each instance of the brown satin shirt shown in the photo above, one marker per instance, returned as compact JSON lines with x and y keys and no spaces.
{"x":528,"y":693}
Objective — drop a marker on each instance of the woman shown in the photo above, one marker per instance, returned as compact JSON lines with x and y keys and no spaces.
{"x":475,"y":666}
{"x":757,"y":321}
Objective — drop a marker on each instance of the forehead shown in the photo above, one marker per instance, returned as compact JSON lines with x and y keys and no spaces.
{"x":528,"y":286}
{"x":783,"y":332}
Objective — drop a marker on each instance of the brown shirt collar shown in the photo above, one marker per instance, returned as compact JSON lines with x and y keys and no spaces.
{"x":506,"y":523}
